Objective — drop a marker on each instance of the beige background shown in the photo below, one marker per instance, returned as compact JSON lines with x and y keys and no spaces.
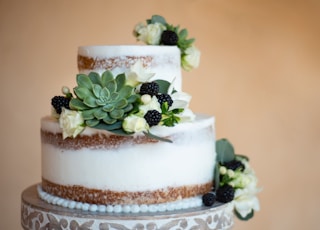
{"x":259,"y":77}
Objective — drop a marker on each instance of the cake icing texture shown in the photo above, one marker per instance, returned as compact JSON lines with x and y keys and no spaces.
{"x":125,"y":135}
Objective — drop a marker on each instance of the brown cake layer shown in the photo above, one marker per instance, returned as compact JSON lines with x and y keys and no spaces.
{"x":90,"y":63}
{"x":94,"y":141}
{"x":108,"y":197}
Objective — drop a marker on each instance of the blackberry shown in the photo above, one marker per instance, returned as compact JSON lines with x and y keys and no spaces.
{"x":153,"y":117}
{"x":209,"y":198}
{"x":169,"y":38}
{"x":234,"y":165}
{"x":60,"y":101}
{"x":225,"y":193}
{"x":162,"y":98}
{"x":151,"y":88}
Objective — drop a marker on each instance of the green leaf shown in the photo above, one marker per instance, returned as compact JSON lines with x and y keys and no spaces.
{"x":120,"y":80}
{"x":121,"y":103}
{"x":106,"y":77}
{"x":128,"y":108}
{"x":108,"y":107}
{"x":225,"y":151}
{"x":77,"y":104}
{"x":100,"y":114}
{"x":248,"y":217}
{"x":163,"y":86}
{"x":157,"y":18}
{"x":216,"y":176}
{"x":115,"y":127}
{"x":109,"y":120}
{"x":88,"y":114}
{"x":152,"y":136}
{"x":95,"y":78}
{"x":96,"y":90}
{"x":92,"y":122}
{"x":84,"y":81}
{"x":133,"y":98}
{"x":90,"y":102}
{"x":112,"y":86}
{"x":82,"y":92}
{"x":116,"y":113}
{"x":125,"y":91}
{"x":104,"y":93}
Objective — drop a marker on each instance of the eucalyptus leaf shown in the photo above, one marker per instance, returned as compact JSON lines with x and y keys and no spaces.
{"x":247,"y":217}
{"x":157,"y":18}
{"x":163,"y":86}
{"x":150,"y":135}
{"x":225,"y":151}
{"x":216,"y":176}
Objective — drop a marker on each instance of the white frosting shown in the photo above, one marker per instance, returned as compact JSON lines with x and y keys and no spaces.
{"x":189,"y":160}
{"x":165,"y":62}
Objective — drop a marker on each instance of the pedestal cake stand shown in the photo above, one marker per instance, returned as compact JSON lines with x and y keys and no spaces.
{"x":37,"y":214}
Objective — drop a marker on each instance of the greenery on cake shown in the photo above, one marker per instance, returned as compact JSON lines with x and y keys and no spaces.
{"x":156,"y":31}
{"x":125,"y":104}
{"x":235,"y":181}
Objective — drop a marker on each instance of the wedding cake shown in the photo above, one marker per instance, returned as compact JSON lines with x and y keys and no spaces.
{"x":125,"y":141}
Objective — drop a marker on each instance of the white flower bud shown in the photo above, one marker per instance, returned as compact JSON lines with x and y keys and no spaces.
{"x":65,"y":90}
{"x":146,"y":99}
{"x":230,"y":173}
{"x":222,"y":170}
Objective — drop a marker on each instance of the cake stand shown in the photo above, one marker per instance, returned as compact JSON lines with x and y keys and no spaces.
{"x":36,"y":214}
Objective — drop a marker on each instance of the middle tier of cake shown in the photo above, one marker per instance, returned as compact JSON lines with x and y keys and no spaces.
{"x":99,"y":167}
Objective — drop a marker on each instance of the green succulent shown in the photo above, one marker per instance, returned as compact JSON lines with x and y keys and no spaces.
{"x":105,"y":100}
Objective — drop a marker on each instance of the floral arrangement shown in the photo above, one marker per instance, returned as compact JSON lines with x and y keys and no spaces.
{"x":235,"y":181}
{"x":125,"y":104}
{"x":156,"y":31}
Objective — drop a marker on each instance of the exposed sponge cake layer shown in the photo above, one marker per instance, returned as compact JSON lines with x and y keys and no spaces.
{"x":97,"y":160}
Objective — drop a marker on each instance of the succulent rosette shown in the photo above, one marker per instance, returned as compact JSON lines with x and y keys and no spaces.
{"x":125,"y":104}
{"x":156,"y":31}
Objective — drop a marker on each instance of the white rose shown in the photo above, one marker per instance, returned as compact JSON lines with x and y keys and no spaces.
{"x":186,"y":115}
{"x":71,"y":122}
{"x":134,"y":123}
{"x":245,"y":202}
{"x":180,"y":100}
{"x":150,"y":34}
{"x":191,"y":58}
{"x":137,"y":74}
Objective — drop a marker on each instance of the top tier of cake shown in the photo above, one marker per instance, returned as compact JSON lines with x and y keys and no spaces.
{"x":163,"y":61}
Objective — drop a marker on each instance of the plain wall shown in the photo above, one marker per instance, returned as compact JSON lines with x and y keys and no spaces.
{"x":259,"y":76}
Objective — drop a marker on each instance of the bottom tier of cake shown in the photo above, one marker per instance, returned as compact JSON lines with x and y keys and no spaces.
{"x":38,"y":214}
